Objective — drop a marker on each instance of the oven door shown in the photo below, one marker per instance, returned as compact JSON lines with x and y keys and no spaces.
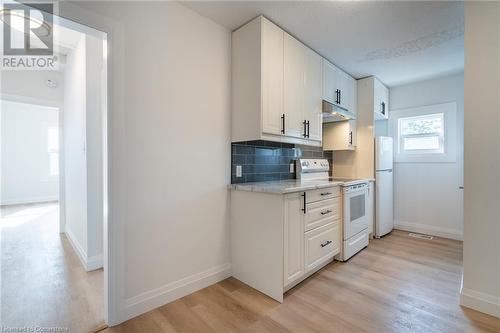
{"x":355,"y":212}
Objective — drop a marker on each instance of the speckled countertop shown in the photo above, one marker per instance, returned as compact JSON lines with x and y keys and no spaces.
{"x":294,"y":185}
{"x":287,"y":186}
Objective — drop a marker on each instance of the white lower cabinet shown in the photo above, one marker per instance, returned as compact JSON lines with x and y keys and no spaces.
{"x":321,"y":244}
{"x":278,"y":240}
{"x":293,"y":229}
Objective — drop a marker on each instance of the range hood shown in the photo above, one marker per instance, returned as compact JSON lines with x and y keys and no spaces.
{"x":333,"y":113}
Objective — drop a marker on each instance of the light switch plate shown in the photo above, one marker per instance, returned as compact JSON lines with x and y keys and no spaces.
{"x":238,"y":171}
{"x":292,"y":167}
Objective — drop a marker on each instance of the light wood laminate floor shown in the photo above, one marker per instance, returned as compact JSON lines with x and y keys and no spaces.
{"x":398,"y":284}
{"x":43,"y":283}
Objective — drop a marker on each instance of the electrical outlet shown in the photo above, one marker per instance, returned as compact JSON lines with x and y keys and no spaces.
{"x":292,"y":167}
{"x":238,"y":171}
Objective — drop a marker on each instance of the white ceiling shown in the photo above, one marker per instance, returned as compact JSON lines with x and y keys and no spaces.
{"x":399,"y":42}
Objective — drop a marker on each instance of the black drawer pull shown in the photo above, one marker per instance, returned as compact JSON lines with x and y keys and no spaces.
{"x":326,"y":212}
{"x":305,"y":201}
{"x":325,"y":193}
{"x":325,"y":243}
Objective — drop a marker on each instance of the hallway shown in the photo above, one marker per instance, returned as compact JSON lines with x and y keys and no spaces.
{"x":43,"y":283}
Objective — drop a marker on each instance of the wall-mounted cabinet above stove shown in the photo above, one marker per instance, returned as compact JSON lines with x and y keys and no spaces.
{"x":339,"y":88}
{"x":276,"y":86}
{"x":340,"y":135}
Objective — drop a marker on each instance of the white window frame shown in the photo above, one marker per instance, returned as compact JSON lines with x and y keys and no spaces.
{"x":402,"y":137}
{"x":448,"y":146}
{"x":54,"y":151}
{"x":45,"y":174}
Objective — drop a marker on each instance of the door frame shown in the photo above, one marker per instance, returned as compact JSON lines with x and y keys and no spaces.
{"x":113,"y":105}
{"x":79,"y":19}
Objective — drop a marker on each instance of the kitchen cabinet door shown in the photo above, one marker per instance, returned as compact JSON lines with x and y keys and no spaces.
{"x":321,"y":244}
{"x":293,"y":238}
{"x":340,"y":135}
{"x":350,"y":94}
{"x":352,"y":135}
{"x":339,"y":88}
{"x":312,"y":94}
{"x":272,"y":78}
{"x":331,"y":82}
{"x":385,"y":100}
{"x":380,"y":100}
{"x":294,"y":95}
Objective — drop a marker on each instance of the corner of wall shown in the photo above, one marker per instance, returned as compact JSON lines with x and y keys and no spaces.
{"x":480,"y":301}
{"x":89,"y":263}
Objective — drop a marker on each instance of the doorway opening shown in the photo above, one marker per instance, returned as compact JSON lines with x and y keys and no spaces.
{"x":52,"y":192}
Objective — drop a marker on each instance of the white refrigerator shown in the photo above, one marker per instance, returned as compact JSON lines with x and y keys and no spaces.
{"x":384,"y":216}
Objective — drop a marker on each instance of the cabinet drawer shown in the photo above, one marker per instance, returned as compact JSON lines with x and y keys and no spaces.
{"x":321,"y":212}
{"x":321,"y":245}
{"x":323,"y":193}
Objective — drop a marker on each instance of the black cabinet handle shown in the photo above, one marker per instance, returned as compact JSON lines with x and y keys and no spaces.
{"x":326,"y":212}
{"x":304,"y":123}
{"x":304,"y":209}
{"x":383,"y":108}
{"x":326,"y":243}
{"x":340,"y":96}
{"x":350,"y":137}
{"x":326,"y":193}
{"x":308,"y":128}
{"x":283,"y":124}
{"x":337,"y":96}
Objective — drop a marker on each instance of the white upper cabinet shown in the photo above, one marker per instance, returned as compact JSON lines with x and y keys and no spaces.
{"x":294,"y":95}
{"x":351,"y":94}
{"x":339,"y":88}
{"x":341,"y":135}
{"x":331,"y":82}
{"x":380,"y":100}
{"x":302,"y":91}
{"x":312,"y":91}
{"x":276,"y":86}
{"x":272,"y":78}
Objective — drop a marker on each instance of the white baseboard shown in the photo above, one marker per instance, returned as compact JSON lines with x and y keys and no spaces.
{"x":28,"y":200}
{"x":89,"y":263}
{"x":480,"y":301}
{"x":429,"y":230}
{"x":155,"y":298}
{"x":94,"y":262}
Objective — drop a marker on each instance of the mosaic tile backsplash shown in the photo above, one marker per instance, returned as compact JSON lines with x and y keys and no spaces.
{"x":265,"y":160}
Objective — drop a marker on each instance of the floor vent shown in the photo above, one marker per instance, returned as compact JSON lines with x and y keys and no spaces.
{"x":421,"y":236}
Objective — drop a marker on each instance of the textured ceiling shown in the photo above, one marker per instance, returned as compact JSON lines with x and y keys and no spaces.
{"x":399,"y":42}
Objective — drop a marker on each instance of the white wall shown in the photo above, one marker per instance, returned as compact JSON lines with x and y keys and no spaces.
{"x":28,"y":87}
{"x":25,"y":169}
{"x":170,"y":102}
{"x":75,"y":160}
{"x":94,"y":142}
{"x":427,"y":197}
{"x":83,"y":151}
{"x":481,"y":278}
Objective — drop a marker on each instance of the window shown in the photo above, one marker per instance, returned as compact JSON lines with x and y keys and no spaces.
{"x":53,"y":150}
{"x":425,"y":134}
{"x":422,"y":134}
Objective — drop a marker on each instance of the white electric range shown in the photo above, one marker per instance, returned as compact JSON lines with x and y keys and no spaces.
{"x":355,"y":194}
